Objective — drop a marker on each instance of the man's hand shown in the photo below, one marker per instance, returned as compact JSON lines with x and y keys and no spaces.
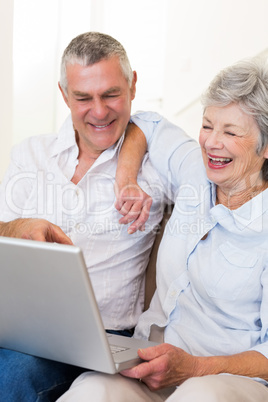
{"x":134,"y":204}
{"x":34,"y":229}
{"x":165,"y":366}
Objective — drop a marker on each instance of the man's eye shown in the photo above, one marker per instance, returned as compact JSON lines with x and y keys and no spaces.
{"x":111,"y":96}
{"x":207,"y":128}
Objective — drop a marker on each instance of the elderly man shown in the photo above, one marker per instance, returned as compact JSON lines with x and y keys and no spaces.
{"x":61,"y":188}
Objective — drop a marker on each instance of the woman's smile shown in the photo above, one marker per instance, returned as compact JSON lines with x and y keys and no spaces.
{"x":216,"y":162}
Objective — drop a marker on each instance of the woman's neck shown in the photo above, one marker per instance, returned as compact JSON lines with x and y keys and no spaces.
{"x":235,"y":199}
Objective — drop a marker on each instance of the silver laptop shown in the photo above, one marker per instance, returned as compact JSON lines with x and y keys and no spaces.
{"x":48,"y":308}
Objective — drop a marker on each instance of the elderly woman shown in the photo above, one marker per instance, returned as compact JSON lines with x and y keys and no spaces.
{"x":212,"y":272}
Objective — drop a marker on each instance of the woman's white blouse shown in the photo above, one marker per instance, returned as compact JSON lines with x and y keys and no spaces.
{"x":212,"y":278}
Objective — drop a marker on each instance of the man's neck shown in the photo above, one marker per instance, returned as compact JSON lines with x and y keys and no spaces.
{"x":86,"y":158}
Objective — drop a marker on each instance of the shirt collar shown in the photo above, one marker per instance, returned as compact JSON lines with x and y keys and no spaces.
{"x":66,"y":140}
{"x":249,"y":216}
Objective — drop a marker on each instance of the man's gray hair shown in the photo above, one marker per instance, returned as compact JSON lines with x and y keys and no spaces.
{"x":244,"y":83}
{"x":90,"y":48}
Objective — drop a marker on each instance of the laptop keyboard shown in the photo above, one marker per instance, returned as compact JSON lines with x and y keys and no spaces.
{"x":117,"y":349}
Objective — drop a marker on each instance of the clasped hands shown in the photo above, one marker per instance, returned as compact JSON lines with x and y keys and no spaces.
{"x":134,"y":204}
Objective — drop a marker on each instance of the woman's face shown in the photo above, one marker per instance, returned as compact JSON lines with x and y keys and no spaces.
{"x":229,"y":140}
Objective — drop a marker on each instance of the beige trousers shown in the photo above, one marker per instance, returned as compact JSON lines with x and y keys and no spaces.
{"x":97,"y":387}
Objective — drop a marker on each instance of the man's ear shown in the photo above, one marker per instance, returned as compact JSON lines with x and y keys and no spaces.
{"x":133,"y":85}
{"x":63,"y":95}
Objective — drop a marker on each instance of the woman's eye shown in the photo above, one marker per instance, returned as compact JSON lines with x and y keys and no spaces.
{"x":207,"y":128}
{"x":231,"y":134}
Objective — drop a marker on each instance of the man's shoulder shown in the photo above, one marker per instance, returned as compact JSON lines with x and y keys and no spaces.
{"x":46,"y":144}
{"x":34,"y":148}
{"x":36,"y":142}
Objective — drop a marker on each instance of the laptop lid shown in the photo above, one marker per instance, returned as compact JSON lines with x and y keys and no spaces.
{"x":48,"y":308}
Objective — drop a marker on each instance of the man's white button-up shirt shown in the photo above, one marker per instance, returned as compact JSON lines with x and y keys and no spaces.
{"x":38,"y":185}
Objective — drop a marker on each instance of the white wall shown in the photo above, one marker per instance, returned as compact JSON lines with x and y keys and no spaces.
{"x":176,"y":46}
{"x":202,"y":38}
{"x":6,"y":82}
{"x":42,"y":29}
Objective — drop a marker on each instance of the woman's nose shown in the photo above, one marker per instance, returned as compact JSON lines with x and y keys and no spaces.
{"x":214,"y":140}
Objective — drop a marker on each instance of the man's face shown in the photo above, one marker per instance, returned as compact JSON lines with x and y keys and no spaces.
{"x":99,"y":98}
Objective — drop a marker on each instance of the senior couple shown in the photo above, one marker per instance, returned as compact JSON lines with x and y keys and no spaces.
{"x":209,"y":310}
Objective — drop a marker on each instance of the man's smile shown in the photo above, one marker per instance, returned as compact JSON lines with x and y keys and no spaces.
{"x":101,"y":126}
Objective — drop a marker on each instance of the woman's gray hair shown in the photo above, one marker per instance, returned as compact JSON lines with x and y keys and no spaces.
{"x":90,"y":48}
{"x":244,"y":83}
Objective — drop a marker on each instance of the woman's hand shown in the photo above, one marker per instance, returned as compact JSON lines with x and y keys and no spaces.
{"x":131,"y":201}
{"x":134,"y":204}
{"x":165,"y":366}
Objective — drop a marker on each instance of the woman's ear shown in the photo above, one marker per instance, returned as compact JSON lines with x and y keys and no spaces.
{"x":265,"y":154}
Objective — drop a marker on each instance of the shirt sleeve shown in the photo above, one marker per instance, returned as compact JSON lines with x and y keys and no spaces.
{"x":15,"y":187}
{"x":170,"y":149}
{"x":262,"y":345}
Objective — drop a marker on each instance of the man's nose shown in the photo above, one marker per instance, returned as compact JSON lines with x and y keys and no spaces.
{"x":99,"y":109}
